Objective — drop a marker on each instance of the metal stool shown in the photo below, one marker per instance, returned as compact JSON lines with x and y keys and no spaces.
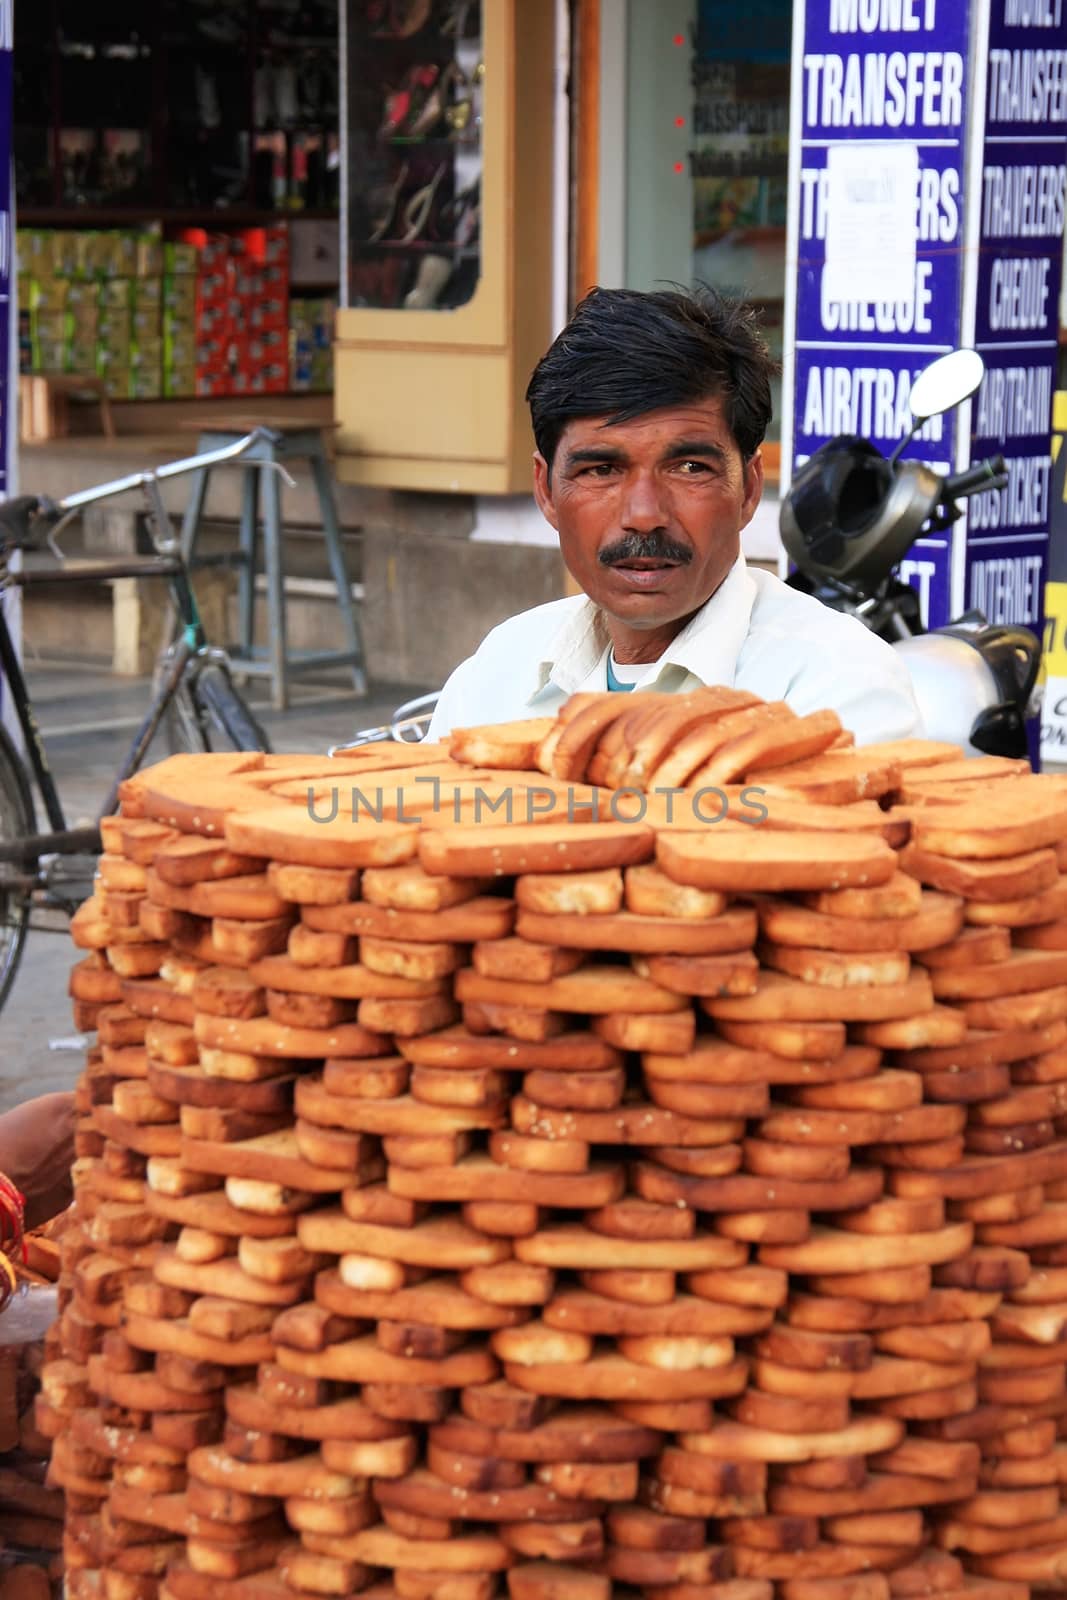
{"x":293,"y":441}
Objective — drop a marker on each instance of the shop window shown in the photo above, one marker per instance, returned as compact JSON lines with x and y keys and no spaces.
{"x":707,"y":113}
{"x":415,"y":77}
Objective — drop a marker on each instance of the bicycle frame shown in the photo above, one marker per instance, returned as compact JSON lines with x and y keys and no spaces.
{"x":410,"y":725}
{"x":11,"y":668}
{"x":191,"y":641}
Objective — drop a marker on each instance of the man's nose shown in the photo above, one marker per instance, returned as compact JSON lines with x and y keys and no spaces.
{"x":644,"y":508}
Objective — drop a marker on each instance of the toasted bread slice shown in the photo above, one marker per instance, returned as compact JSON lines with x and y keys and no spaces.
{"x":784,"y":998}
{"x":774,"y":744}
{"x":672,"y":723}
{"x":570,"y":753}
{"x":511,"y":745}
{"x":695,"y":748}
{"x":537,"y":847}
{"x":573,"y":893}
{"x":763,"y":860}
{"x":289,"y":833}
{"x":1000,"y":878}
{"x":840,"y":777}
{"x":1012,"y":819}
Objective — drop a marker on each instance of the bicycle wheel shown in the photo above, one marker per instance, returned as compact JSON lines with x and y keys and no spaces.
{"x":215,"y":718}
{"x":16,"y":821}
{"x":230,"y":724}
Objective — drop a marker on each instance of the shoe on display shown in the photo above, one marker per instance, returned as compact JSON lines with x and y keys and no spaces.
{"x":262,"y":97}
{"x":461,"y":216}
{"x":431,"y":278}
{"x":403,"y":18}
{"x":207,"y":99}
{"x":408,"y":101}
{"x":386,"y":211}
{"x":286,"y":102}
{"x":221,"y":29}
{"x":459,"y":15}
{"x":435,"y":107}
{"x":415,"y":218}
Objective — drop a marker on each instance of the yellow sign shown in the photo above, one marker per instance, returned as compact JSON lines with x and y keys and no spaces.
{"x":1054,"y":664}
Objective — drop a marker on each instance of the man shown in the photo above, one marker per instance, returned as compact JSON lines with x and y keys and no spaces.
{"x":648,"y":412}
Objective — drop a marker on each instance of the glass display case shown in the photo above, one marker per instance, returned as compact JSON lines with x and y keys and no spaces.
{"x":706,"y":183}
{"x":415,"y":92}
{"x":447,"y":239}
{"x":176,"y":110}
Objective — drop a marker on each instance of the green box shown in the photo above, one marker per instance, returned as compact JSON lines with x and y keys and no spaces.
{"x":147,"y":292}
{"x":81,"y":250}
{"x":179,"y":350}
{"x":51,"y":295}
{"x":114,"y":350}
{"x":49,"y":324}
{"x":179,"y":294}
{"x":148,"y":353}
{"x":81,"y":358}
{"x":116,"y":293}
{"x":116,"y":376}
{"x":179,"y":382}
{"x":67,"y":252}
{"x":113,"y":330}
{"x":83,"y":299}
{"x":146,"y":323}
{"x":33,"y":249}
{"x":149,"y":256}
{"x":180,"y":259}
{"x":178,"y":324}
{"x":49,"y":354}
{"x":126,"y":248}
{"x":116,"y":384}
{"x":146,"y":383}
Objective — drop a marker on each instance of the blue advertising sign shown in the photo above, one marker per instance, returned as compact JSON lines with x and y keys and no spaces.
{"x":889,"y":79}
{"x":1023,"y":177}
{"x":989,"y":199}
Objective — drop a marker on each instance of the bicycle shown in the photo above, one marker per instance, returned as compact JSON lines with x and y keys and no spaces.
{"x":193,"y":686}
{"x":409,"y":724}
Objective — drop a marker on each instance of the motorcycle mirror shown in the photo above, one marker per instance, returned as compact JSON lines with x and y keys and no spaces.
{"x":946,"y":383}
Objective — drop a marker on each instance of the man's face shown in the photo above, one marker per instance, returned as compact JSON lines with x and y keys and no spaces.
{"x":649,"y":513}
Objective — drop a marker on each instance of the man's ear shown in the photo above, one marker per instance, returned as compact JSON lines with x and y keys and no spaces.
{"x":753,"y":470}
{"x":542,"y":487}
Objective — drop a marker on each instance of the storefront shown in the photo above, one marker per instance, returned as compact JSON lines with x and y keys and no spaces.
{"x":450,"y":243}
{"x":179,"y":183}
{"x":198,"y":192}
{"x":177,"y":178}
{"x":697,"y":126}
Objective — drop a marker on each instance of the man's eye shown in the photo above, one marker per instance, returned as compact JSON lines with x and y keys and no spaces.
{"x":600,"y":469}
{"x":693,"y":468}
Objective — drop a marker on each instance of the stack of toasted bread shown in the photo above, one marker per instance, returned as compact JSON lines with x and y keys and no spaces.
{"x":31,"y":1513}
{"x":499,"y":1177}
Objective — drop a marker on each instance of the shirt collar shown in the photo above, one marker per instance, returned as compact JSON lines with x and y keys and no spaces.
{"x":707,"y":647}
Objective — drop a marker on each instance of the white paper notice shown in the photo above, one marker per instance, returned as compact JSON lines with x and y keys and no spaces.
{"x":871,"y":222}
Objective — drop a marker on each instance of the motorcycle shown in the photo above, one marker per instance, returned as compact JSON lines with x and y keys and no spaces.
{"x":849,"y":518}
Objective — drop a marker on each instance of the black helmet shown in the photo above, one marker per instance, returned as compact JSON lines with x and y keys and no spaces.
{"x":850,"y":515}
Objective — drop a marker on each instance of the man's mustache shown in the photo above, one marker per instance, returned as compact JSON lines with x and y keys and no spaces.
{"x":645,"y":547}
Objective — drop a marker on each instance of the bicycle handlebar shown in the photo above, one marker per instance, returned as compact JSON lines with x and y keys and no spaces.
{"x":23,"y":521}
{"x":172,"y":469}
{"x":17,"y":517}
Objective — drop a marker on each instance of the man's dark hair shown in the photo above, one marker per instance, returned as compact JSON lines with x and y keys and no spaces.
{"x":626,"y":353}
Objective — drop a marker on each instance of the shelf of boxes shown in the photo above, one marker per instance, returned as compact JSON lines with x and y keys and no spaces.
{"x":204,"y":314}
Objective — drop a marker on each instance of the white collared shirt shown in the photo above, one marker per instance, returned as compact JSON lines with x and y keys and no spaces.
{"x":754,"y":633}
